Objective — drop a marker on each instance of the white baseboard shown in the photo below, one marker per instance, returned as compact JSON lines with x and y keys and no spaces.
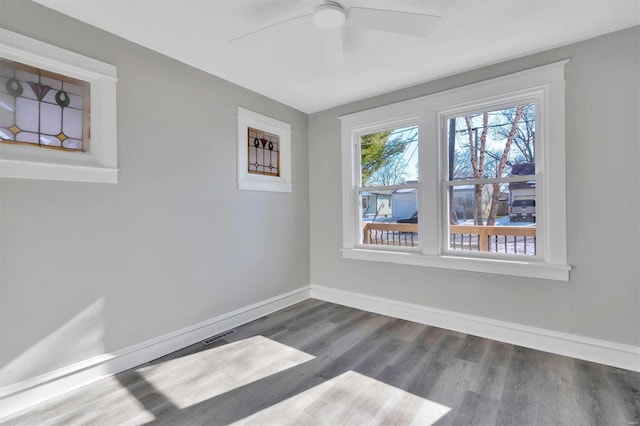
{"x":19,"y":396}
{"x":22,"y":395}
{"x":595,"y":350}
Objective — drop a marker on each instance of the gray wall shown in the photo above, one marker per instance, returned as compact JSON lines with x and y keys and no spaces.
{"x":602,"y":298}
{"x":93,"y":268}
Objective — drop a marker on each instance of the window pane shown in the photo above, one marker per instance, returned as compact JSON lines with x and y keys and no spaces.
{"x":72,"y":123}
{"x":36,"y":108}
{"x":263,"y":152}
{"x":6,"y":110}
{"x":73,"y":144}
{"x":50,"y":141}
{"x":493,"y":143}
{"x":27,"y":114}
{"x":389,"y":157}
{"x":53,"y":83}
{"x":390,"y":217}
{"x":27,"y":137}
{"x":50,"y":119}
{"x":494,"y":218}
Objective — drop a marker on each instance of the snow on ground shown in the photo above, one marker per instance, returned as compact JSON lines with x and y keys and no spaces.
{"x":501,"y":221}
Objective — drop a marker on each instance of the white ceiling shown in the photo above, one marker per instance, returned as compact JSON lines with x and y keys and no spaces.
{"x":303,"y":66}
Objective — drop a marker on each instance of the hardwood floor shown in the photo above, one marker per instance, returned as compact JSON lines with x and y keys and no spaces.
{"x":321,"y":363}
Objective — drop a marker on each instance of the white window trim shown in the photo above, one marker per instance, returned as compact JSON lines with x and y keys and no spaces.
{"x":255,"y":182}
{"x":100,"y":163}
{"x":548,"y":83}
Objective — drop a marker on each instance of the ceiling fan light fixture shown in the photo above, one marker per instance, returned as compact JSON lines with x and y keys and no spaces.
{"x":329,"y":16}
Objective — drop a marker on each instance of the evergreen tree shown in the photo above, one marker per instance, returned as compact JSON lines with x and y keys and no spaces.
{"x":378,"y":153}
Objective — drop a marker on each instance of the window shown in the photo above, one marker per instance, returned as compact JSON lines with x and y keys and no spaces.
{"x":57,"y":113}
{"x":490,"y":186}
{"x":388,"y":186}
{"x":470,"y":179}
{"x":264,"y":153}
{"x":41,"y":108}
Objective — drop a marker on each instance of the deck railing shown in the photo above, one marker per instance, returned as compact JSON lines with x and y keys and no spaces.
{"x":498,"y":239}
{"x":391,"y":234}
{"x":503,"y":239}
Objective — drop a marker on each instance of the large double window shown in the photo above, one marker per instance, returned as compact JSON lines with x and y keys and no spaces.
{"x":471,"y":179}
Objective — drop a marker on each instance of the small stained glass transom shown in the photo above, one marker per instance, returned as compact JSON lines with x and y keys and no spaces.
{"x":42,"y":108}
{"x":264,"y":152}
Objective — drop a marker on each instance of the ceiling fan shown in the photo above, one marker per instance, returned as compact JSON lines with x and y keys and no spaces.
{"x":332,"y":15}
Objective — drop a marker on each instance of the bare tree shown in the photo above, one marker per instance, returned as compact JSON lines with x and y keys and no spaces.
{"x":495,"y":198}
{"x":486,"y":162}
{"x":478,"y":155}
{"x":391,"y":173}
{"x":524,"y":138}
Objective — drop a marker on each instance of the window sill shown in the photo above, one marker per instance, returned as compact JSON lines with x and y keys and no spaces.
{"x":519,"y":268}
{"x":89,"y":172}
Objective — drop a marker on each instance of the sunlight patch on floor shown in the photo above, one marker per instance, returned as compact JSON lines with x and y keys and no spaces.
{"x":207,"y":374}
{"x":351,"y":399}
{"x":106,"y":402}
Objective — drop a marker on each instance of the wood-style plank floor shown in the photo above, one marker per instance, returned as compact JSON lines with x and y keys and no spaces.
{"x":321,"y":363}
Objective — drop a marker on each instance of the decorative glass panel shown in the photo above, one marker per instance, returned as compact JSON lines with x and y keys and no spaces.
{"x":38,"y":107}
{"x":264,"y":152}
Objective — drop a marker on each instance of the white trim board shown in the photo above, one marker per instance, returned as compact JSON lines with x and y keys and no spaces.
{"x":595,"y":350}
{"x":22,"y":395}
{"x":19,"y":396}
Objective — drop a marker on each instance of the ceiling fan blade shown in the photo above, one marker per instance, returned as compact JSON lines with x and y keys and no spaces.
{"x":390,"y":21}
{"x":268,"y":27}
{"x":352,"y":41}
{"x":270,"y":9}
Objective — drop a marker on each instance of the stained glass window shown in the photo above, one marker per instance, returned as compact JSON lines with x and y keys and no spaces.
{"x":264,"y":152}
{"x":41,"y":108}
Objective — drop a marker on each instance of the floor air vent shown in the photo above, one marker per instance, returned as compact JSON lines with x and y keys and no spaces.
{"x":217,"y":337}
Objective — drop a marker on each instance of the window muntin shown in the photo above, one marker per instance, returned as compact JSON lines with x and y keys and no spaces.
{"x":491,"y":164}
{"x":42,"y":108}
{"x":387,"y":186}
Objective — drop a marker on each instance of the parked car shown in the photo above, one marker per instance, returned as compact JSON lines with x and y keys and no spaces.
{"x":412,"y":219}
{"x":523,"y":210}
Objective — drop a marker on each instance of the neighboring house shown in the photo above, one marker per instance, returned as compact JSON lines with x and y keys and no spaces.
{"x":376,"y":204}
{"x":400,"y":204}
{"x":404,"y":203}
{"x":522,"y":190}
{"x":464,"y":205}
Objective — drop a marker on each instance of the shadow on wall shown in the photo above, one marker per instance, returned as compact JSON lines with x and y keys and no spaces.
{"x":80,"y":338}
